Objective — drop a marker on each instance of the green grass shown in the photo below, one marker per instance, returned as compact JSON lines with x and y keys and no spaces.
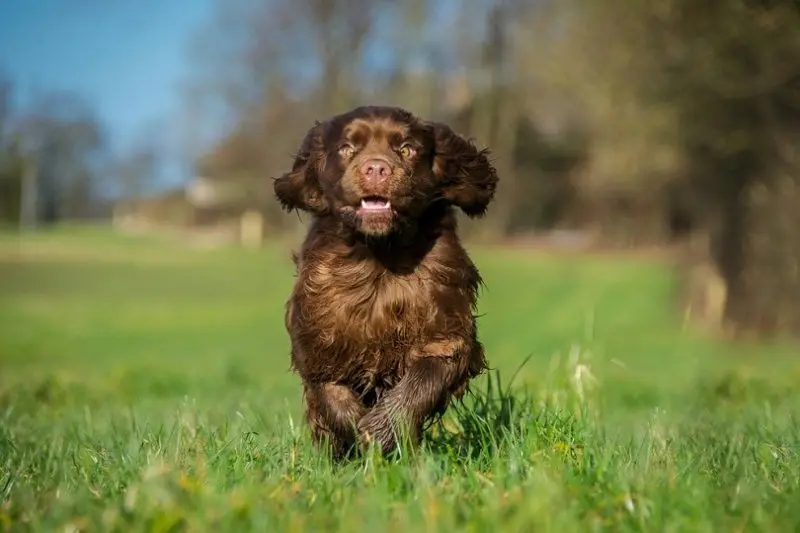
{"x":145,"y":387}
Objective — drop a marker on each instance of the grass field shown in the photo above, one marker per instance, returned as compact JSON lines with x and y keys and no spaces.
{"x":145,"y":387}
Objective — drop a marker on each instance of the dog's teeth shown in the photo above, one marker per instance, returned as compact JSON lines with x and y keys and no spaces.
{"x":375,"y":204}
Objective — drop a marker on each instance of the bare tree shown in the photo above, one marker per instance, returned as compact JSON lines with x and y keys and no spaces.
{"x":136,"y":170}
{"x":61,"y":142}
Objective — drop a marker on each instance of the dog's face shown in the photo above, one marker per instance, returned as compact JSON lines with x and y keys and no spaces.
{"x":379,"y":168}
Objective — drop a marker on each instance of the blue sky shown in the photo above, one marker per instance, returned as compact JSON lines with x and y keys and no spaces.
{"x":126,"y":56}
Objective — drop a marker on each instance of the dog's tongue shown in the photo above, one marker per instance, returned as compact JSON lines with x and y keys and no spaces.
{"x":373,"y":203}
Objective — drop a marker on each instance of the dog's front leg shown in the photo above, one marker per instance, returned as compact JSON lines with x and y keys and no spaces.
{"x":424,"y":390}
{"x":333,"y":412}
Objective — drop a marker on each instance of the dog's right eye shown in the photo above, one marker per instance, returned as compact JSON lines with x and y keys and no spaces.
{"x":347,"y":150}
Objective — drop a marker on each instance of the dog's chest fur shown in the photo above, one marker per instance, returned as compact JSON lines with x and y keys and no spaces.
{"x":355,"y":319}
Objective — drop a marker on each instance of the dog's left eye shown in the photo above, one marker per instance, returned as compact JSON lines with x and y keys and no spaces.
{"x":406,"y":150}
{"x":347,"y":150}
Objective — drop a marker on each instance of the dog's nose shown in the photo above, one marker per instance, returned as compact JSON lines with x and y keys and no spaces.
{"x":376,"y":169}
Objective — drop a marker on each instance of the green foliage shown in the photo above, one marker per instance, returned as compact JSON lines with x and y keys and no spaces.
{"x":11,"y":175}
{"x":145,"y":387}
{"x":12,"y":169}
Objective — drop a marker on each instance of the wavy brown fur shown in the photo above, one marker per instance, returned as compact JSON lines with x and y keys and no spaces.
{"x":381,"y":318}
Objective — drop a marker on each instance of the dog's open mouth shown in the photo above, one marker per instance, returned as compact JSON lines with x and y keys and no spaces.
{"x":375,"y":204}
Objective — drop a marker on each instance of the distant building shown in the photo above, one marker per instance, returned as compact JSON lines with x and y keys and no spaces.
{"x":203,"y":192}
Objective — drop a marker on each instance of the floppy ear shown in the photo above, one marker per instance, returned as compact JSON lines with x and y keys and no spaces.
{"x":299,"y":188}
{"x":467,"y":178}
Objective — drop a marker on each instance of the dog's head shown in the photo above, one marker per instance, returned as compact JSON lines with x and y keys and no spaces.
{"x":379,"y":168}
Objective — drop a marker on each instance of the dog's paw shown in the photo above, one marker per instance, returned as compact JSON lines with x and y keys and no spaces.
{"x":375,"y":428}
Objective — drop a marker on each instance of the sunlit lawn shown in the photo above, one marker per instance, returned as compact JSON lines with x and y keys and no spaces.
{"x":144,"y":386}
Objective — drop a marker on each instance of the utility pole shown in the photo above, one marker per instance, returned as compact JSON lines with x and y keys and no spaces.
{"x":31,"y":144}
{"x":28,"y":195}
{"x":29,"y":192}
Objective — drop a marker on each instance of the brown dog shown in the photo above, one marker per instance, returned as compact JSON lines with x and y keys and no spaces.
{"x":381,"y":318}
